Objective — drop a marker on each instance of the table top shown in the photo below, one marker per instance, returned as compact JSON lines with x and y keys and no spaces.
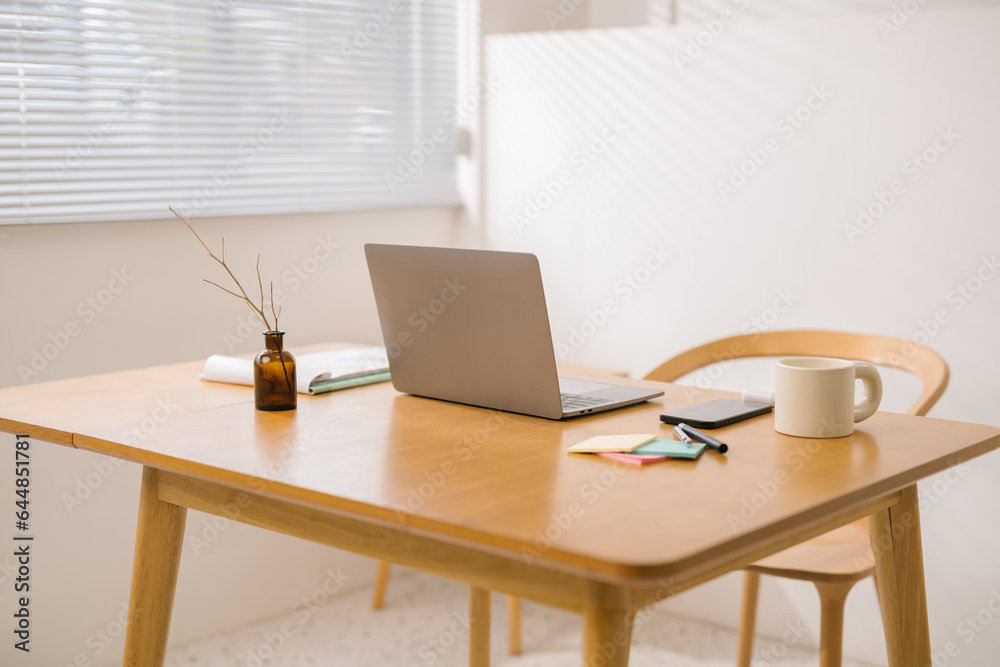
{"x":496,"y":481}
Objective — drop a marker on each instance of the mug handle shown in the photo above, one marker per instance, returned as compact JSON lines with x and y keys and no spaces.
{"x":872,"y":396}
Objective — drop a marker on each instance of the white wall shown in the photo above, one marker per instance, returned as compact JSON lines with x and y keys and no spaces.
{"x":83,"y":552}
{"x":778,"y":250}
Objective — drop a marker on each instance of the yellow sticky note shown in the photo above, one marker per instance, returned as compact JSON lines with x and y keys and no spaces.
{"x":612,"y":443}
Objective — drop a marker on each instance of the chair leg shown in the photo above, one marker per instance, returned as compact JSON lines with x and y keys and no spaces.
{"x":748,"y":618}
{"x":381,"y":579}
{"x":479,"y":627}
{"x":878,"y":596}
{"x":514,"y":624}
{"x":832,"y":597}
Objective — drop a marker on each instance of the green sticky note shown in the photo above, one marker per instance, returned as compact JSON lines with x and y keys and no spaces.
{"x":675,"y":448}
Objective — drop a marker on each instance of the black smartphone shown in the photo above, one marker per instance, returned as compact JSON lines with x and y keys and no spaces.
{"x":714,"y":414}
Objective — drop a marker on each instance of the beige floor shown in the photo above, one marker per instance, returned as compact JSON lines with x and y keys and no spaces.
{"x":424,"y":624}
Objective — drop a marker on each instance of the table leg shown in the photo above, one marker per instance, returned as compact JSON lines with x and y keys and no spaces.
{"x":158,"y":541}
{"x":514,"y":624}
{"x":479,"y":627}
{"x":748,"y":618}
{"x":607,"y":626}
{"x":899,"y":575}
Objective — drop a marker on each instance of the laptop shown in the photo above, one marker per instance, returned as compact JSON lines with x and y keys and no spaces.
{"x":471,"y":326}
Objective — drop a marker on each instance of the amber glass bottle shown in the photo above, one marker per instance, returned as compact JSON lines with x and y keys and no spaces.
{"x":274,"y":375}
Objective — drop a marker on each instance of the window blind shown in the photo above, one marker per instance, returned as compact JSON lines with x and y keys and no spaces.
{"x":114,"y":109}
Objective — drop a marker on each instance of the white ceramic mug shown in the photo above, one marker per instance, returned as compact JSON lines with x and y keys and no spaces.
{"x":814,"y":396}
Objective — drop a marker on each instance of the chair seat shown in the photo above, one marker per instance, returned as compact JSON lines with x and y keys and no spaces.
{"x":844,"y":554}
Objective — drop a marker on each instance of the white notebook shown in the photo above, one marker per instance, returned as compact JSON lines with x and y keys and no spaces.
{"x":315,"y":373}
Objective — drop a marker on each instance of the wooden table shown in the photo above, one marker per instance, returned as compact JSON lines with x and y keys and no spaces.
{"x":493,"y":499}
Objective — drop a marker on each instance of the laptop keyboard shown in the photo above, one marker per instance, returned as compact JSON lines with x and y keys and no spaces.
{"x":578,"y":402}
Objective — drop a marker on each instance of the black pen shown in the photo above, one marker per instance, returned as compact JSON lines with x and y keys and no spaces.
{"x":694,"y":434}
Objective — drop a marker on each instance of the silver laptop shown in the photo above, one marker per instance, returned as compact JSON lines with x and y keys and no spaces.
{"x":470,"y":326}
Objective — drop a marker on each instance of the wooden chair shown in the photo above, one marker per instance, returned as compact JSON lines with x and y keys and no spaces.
{"x":834,"y":562}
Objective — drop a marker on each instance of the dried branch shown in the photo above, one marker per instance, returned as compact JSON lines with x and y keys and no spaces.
{"x":258,"y":311}
{"x":261,"y":286}
{"x":253,"y":308}
{"x":223,"y":289}
{"x":272,"y":307}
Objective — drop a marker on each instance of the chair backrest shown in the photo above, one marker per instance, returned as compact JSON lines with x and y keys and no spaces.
{"x":899,"y":353}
